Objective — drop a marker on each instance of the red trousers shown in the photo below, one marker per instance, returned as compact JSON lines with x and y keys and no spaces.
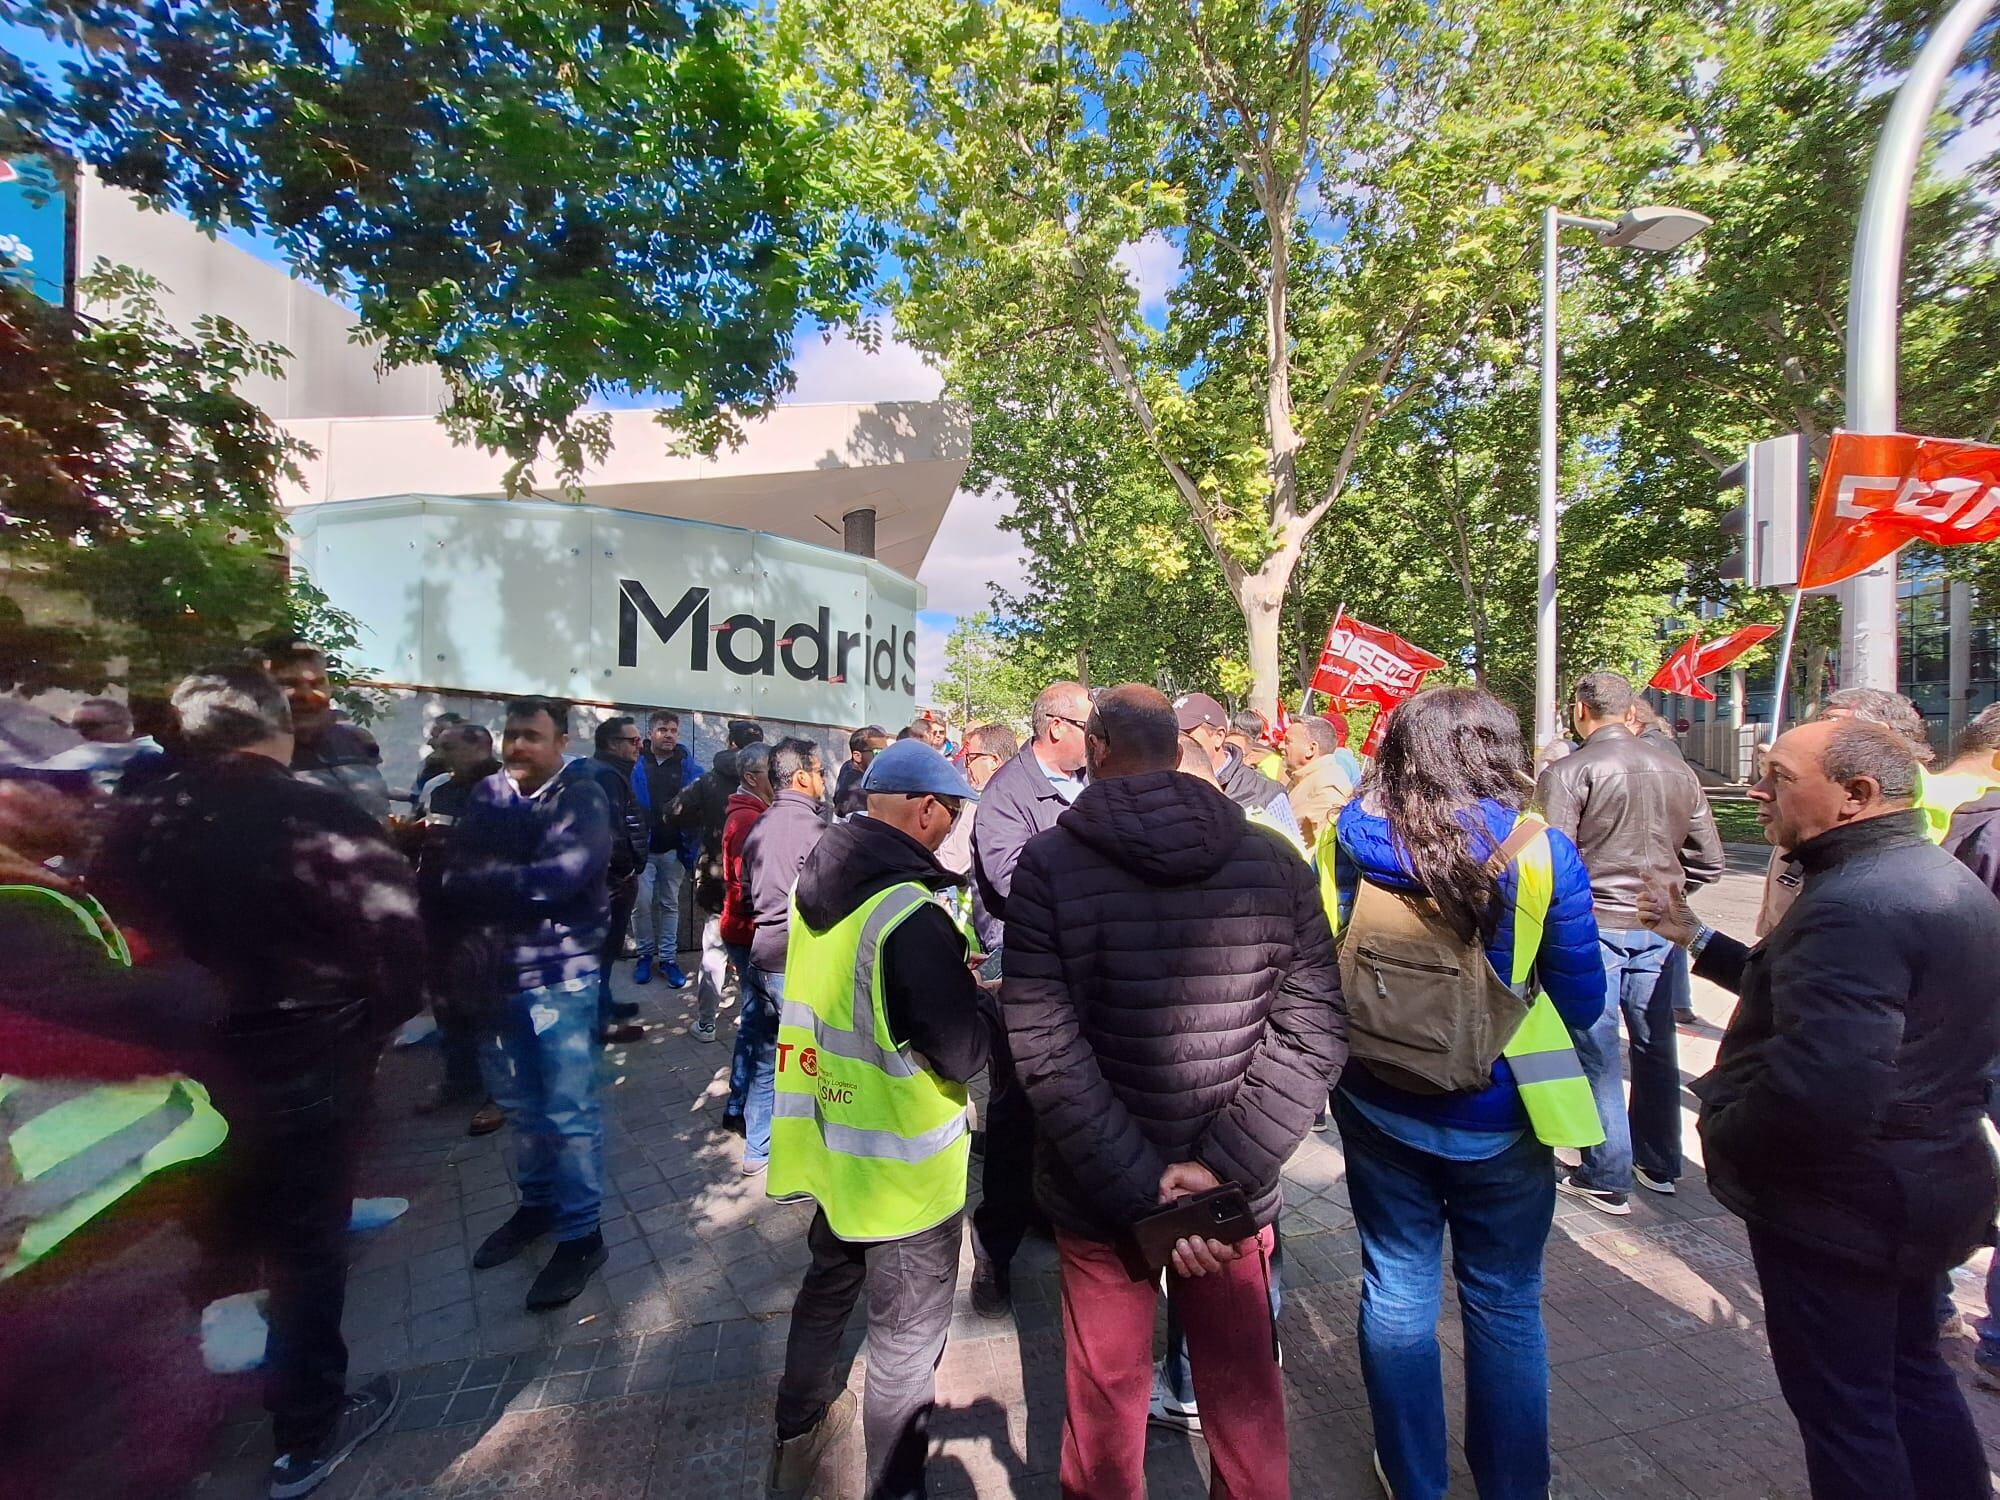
{"x":1108,"y":1374}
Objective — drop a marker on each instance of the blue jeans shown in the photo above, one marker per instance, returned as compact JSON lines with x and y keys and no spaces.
{"x":1499,"y":1211}
{"x":665,"y":874}
{"x":541,"y":1069}
{"x":739,"y":1056}
{"x":1647,"y":1132}
{"x":757,"y":1042}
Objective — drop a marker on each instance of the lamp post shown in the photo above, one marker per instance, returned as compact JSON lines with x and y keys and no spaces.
{"x":1639,"y":229}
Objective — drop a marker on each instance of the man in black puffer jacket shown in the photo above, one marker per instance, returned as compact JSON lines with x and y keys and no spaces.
{"x":1173,"y":1006}
{"x":1843,"y":1119}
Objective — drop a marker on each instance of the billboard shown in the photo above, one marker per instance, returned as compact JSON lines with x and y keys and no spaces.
{"x":38,"y":229}
{"x":596,"y":605}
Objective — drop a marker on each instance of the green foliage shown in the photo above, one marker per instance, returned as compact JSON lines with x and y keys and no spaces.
{"x":543,"y":198}
{"x":991,"y":674}
{"x":137,"y":483}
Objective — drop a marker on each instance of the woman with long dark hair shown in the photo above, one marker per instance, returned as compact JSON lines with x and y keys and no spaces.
{"x":1439,"y":826}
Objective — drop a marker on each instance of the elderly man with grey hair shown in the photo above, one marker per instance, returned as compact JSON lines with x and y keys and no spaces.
{"x":1843,"y":1120}
{"x":290,"y":895}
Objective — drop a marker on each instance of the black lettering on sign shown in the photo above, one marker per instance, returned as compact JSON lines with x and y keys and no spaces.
{"x":817,"y":635}
{"x":634,"y":602}
{"x":732,"y":644}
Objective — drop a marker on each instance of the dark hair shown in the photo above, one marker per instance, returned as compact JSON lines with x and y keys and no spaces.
{"x":1860,"y":747}
{"x":286,"y":647}
{"x":1446,"y":750}
{"x":1251,"y":724}
{"x":753,"y":757}
{"x":1138,"y":728}
{"x":789,"y":757}
{"x":905,"y":733}
{"x":920,"y":729}
{"x":1890,"y":710}
{"x":230,"y":707}
{"x":609,"y":730}
{"x":526,"y":708}
{"x":744,"y":732}
{"x":1604,"y":695}
{"x":1981,"y":736}
{"x":865,"y":736}
{"x":993,"y":739}
{"x":661,"y":716}
{"x":466,"y":730}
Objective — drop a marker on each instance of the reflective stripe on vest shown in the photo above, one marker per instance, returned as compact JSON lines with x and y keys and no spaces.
{"x":1541,"y":1054}
{"x":857,"y":1122}
{"x":71,"y":1148}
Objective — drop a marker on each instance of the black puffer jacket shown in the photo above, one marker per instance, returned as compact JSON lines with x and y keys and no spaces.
{"x":1844,"y":1110}
{"x":1171,"y":995}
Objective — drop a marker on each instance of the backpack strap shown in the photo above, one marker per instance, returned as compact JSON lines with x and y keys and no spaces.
{"x":1526,"y":830}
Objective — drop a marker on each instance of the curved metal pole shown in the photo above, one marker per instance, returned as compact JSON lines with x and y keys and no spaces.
{"x":1868,"y":602}
{"x":1545,"y":512}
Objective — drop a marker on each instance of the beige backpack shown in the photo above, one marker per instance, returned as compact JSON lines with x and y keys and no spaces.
{"x":1425,"y":1011}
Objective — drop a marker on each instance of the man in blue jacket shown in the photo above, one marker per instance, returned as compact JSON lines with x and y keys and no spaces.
{"x":534,"y":850}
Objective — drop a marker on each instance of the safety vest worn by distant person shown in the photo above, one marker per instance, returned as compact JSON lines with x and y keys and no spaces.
{"x":1939,"y":796}
{"x":859,"y":1124}
{"x":1540,"y":1054}
{"x":69,"y":1149}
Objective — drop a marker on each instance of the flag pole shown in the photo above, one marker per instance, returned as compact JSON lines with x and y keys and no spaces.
{"x":1785,"y":659}
{"x":1306,"y":701}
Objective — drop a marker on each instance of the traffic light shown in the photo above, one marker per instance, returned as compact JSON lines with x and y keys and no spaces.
{"x":1770,"y":525}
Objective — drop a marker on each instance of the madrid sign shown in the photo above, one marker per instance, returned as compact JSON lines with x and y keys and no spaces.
{"x":611,"y":606}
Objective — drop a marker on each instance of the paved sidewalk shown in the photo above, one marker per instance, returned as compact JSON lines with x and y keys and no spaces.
{"x":657,"y":1384}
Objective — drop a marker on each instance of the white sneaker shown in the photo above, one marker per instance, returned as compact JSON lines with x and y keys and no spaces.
{"x":1653,"y":1184}
{"x":1382,"y":1478}
{"x":1168,"y":1410}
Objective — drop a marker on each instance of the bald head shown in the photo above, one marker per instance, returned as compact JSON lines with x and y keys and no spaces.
{"x":1832,"y":771}
{"x":1132,"y":731}
{"x":1195,"y":761}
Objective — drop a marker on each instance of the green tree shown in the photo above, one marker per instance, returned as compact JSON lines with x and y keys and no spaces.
{"x":1350,"y":189}
{"x":136,"y":482}
{"x":990,"y":673}
{"x":543,"y":198}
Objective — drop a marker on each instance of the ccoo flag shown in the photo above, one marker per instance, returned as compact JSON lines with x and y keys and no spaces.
{"x":1368,"y":663}
{"x":1881,"y":490}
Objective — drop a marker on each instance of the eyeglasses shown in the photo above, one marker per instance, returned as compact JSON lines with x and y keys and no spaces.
{"x":1066,"y":719}
{"x":972,"y":755}
{"x":953,"y":806}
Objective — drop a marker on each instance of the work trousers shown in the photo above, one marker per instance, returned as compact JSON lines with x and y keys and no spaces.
{"x":1857,"y":1357}
{"x":910,"y":1282}
{"x":1108,"y":1374}
{"x":624,"y":897}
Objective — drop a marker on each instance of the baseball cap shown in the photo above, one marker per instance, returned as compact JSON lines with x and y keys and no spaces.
{"x":1191,"y":709}
{"x":912,"y":767}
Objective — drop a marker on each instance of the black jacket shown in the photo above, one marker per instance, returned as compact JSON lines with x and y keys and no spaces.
{"x":631,"y":828}
{"x":1974,"y":839}
{"x":1171,"y":994}
{"x":701,"y":811}
{"x":1633,"y":809}
{"x":1845,"y":1104}
{"x":929,"y":997}
{"x":772,"y":856}
{"x":1018,"y":803}
{"x":287,"y":893}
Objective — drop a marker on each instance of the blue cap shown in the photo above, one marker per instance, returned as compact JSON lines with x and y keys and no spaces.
{"x":911,"y":766}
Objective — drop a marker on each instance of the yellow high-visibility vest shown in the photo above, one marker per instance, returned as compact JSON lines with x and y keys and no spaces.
{"x":1939,"y":796}
{"x":859,"y":1123}
{"x":69,"y":1149}
{"x":1541,"y":1054}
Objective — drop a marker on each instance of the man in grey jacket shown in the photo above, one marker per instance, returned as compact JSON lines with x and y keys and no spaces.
{"x":777,"y":847}
{"x":1635,"y":810}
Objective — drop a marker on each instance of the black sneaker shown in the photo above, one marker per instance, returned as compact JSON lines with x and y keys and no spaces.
{"x":992,"y":1289}
{"x":1602,"y":1199}
{"x":361,"y":1416}
{"x":625,"y":1010}
{"x":569,"y":1270}
{"x":511,"y":1238}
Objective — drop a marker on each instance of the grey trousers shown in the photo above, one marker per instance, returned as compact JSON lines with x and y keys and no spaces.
{"x":910,"y":1284}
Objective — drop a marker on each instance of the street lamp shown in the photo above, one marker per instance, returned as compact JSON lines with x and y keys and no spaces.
{"x":1638,"y":229}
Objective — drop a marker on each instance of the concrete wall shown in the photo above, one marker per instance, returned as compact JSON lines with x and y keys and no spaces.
{"x":329,"y":375}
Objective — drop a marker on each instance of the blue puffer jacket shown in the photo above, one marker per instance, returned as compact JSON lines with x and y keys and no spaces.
{"x":1569,"y":966}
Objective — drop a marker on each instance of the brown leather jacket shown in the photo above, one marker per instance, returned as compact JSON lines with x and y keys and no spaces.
{"x":1634,"y":810}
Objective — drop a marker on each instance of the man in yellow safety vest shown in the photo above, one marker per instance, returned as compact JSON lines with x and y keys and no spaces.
{"x":881,"y":1027}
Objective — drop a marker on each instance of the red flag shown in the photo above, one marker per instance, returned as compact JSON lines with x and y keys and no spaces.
{"x":1372,"y":742}
{"x":1280,"y":724}
{"x":1881,"y":490}
{"x":1677,"y":673}
{"x":1714,"y":658}
{"x":1372,"y":664}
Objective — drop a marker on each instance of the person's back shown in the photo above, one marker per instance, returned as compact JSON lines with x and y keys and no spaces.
{"x":1974,"y":839}
{"x":1173,"y":1008}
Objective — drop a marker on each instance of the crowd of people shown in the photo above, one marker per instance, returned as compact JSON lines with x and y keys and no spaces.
{"x":1172,"y":940}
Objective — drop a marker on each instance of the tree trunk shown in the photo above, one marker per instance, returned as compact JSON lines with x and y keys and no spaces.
{"x":1261,"y":597}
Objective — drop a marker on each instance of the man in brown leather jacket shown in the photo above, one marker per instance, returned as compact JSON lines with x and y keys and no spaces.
{"x":1635,"y":810}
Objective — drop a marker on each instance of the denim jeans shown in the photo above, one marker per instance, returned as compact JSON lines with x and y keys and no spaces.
{"x":665,"y":875}
{"x":739,"y":1055}
{"x":624,"y":897}
{"x":541,"y":1068}
{"x":1647,"y":1132}
{"x":1498,"y":1211}
{"x":763,"y":989}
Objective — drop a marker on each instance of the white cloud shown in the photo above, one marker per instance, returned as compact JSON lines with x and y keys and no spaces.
{"x":970,"y":554}
{"x":932,"y":632}
{"x":1152,"y":263}
{"x":832,"y":366}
